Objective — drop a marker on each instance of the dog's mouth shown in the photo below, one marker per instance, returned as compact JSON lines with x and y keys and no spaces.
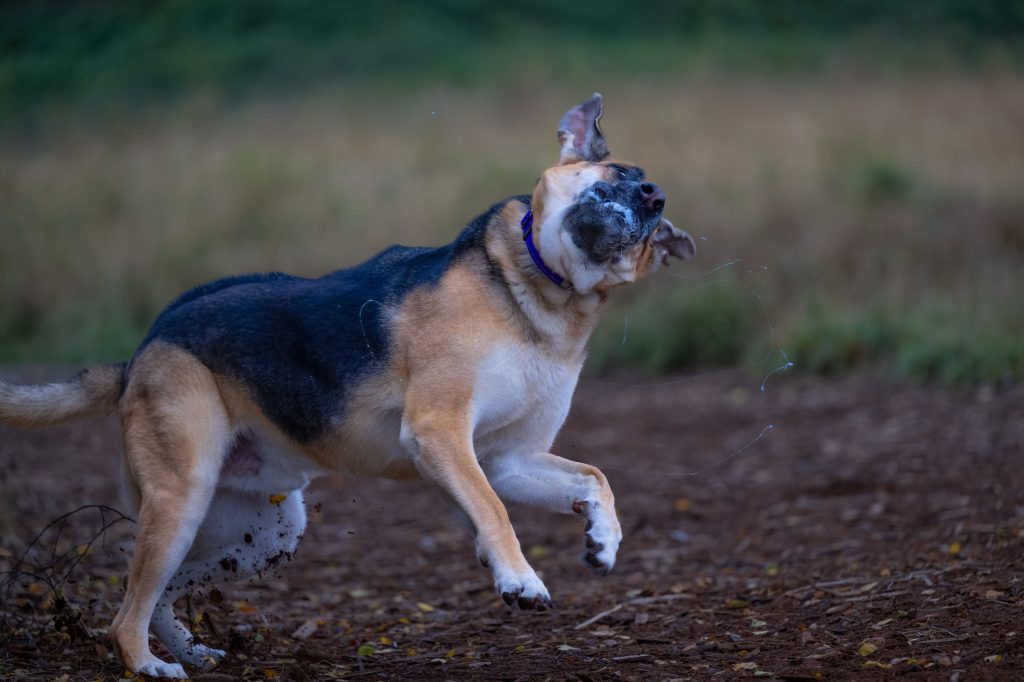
{"x":607,"y":219}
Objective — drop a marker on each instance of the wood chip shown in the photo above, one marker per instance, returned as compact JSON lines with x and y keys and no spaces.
{"x":306,"y":630}
{"x":591,"y":621}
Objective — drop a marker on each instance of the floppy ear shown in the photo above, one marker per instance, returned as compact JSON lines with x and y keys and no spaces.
{"x":580,"y":134}
{"x":669,"y":240}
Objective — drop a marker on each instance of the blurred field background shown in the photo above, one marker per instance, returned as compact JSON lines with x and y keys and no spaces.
{"x":853,"y":171}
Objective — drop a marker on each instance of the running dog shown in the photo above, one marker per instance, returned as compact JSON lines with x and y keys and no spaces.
{"x":456,"y":364}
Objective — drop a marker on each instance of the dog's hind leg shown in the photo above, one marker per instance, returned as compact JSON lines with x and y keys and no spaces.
{"x":244,"y":534}
{"x":176,"y":432}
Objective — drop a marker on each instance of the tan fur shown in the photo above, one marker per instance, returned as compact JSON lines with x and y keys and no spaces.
{"x":645,"y":261}
{"x":91,"y":392}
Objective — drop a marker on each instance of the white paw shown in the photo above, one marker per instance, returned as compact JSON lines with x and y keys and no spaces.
{"x":209,"y":652}
{"x":522,"y":588}
{"x":603,"y":536}
{"x":158,"y":668}
{"x":203,"y":657}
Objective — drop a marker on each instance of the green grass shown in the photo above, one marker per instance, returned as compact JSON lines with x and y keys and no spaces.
{"x":868,"y":155}
{"x":98,"y":55}
{"x":933,"y":345}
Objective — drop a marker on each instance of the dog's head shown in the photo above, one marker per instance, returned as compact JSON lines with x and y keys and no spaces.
{"x":600,"y":222}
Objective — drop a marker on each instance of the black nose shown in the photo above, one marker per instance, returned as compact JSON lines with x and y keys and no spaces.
{"x":653,"y":197}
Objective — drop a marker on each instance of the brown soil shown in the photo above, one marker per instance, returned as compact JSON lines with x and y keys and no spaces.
{"x":876,"y":531}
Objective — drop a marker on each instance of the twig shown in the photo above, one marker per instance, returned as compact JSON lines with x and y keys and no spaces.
{"x":827,"y":584}
{"x":58,"y":570}
{"x":844,"y":581}
{"x":961,"y":638}
{"x":660,"y":598}
{"x":591,"y":621}
{"x":880,"y":595}
{"x":49,"y":573}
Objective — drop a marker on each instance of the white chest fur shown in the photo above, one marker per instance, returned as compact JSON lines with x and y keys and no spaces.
{"x":520,"y":399}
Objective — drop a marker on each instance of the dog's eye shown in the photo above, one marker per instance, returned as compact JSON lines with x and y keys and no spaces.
{"x":622,"y":173}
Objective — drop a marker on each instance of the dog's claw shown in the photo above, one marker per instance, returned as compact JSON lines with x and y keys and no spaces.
{"x":602,"y":535}
{"x":206,"y":658}
{"x":528,"y":593}
{"x":598,"y":566}
{"x":538,"y":603}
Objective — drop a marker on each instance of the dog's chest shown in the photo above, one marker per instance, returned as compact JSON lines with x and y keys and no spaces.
{"x":523,"y":393}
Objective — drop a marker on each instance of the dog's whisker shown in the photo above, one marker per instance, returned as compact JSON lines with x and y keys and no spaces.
{"x":763,"y":268}
{"x":362,"y":327}
{"x":781,"y":368}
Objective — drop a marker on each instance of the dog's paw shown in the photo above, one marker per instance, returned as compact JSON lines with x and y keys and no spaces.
{"x":603,"y":535}
{"x":157,"y":668}
{"x":203,"y":657}
{"x":525,"y":590}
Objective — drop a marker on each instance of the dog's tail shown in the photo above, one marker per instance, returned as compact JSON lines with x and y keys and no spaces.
{"x":91,"y":392}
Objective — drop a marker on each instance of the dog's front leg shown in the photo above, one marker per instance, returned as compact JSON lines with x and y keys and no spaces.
{"x":441,"y":444}
{"x":541,"y":479}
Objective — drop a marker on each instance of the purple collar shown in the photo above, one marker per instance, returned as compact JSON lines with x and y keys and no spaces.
{"x":527,"y":225}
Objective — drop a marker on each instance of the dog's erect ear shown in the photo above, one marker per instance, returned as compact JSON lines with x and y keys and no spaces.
{"x":670,"y":241}
{"x":580,"y":132}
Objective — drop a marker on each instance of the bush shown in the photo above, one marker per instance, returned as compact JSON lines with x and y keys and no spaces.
{"x":929,"y":344}
{"x":709,"y":326}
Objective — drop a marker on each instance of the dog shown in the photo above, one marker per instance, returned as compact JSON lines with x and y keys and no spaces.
{"x":456,"y":364}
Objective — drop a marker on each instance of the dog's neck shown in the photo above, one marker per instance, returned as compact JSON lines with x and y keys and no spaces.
{"x":527,"y":224}
{"x":562,"y":317}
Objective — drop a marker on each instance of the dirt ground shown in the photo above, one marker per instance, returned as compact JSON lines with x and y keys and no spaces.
{"x":875,"y":531}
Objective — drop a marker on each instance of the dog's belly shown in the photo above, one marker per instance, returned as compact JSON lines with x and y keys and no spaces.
{"x":258,"y":465}
{"x":266,"y":464}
